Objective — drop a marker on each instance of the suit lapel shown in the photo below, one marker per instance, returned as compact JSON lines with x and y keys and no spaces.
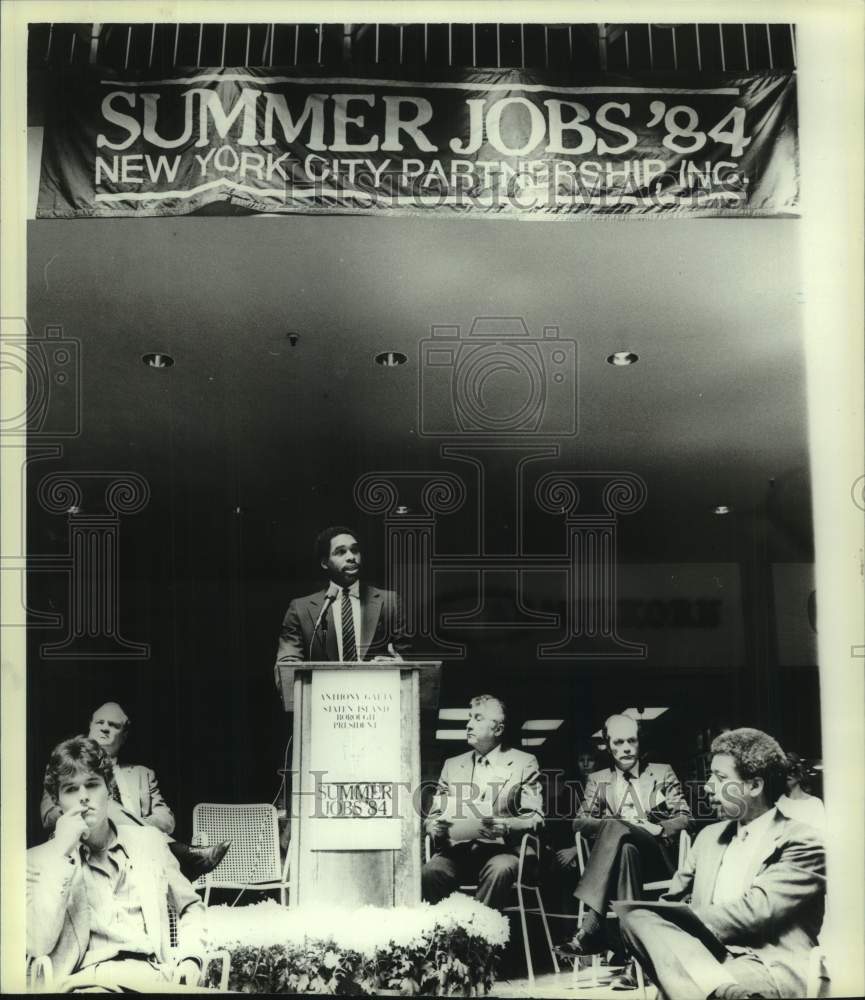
{"x":326,"y":635}
{"x":464,"y":767}
{"x":707,"y":870}
{"x":769,"y":843}
{"x":646,"y":787}
{"x":370,"y":611}
{"x":502,"y":776}
{"x":79,"y":914}
{"x":602,"y":803}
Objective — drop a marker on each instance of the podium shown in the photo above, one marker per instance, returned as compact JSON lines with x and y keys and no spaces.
{"x":355,"y":796}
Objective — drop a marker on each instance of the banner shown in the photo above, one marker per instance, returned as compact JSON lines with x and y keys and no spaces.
{"x":494,"y":143}
{"x":355,"y":760}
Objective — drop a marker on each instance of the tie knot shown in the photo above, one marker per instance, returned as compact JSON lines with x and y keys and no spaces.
{"x":345,"y":592}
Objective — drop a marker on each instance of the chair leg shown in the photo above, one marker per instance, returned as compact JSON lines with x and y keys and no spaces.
{"x":641,"y":981}
{"x":528,"y":951}
{"x":207,"y":894}
{"x":549,"y":937}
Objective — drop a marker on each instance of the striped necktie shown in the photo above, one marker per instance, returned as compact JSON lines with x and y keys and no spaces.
{"x":349,"y":643}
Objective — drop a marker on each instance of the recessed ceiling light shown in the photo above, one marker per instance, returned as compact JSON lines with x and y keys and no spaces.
{"x":454,"y":714}
{"x":721,"y":508}
{"x":541,"y":725}
{"x":158,"y":360}
{"x":390,"y":359}
{"x":450,"y":734}
{"x":621,"y":359}
{"x":645,"y":713}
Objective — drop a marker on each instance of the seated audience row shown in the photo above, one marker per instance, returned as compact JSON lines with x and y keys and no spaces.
{"x":753,"y":883}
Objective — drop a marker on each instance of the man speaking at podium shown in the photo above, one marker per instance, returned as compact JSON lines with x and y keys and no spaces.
{"x":347,"y":621}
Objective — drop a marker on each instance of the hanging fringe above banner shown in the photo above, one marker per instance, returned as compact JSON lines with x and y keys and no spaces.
{"x":481,"y":143}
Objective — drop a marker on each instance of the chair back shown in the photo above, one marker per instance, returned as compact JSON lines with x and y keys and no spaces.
{"x":684,"y":847}
{"x":172,"y":926}
{"x":254,"y":834}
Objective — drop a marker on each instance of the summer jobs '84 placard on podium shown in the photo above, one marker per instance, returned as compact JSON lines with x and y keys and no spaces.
{"x":355,"y":760}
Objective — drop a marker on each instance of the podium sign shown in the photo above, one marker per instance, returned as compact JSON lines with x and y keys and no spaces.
{"x":355,"y":795}
{"x":355,"y":760}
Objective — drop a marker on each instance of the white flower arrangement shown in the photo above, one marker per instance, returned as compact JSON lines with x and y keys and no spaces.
{"x":365,"y":930}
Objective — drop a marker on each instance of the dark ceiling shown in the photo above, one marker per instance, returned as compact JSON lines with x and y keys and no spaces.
{"x":713,"y":413}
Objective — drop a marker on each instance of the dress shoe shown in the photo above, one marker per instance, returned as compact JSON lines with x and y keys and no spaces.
{"x":626,"y":979}
{"x":198,"y":861}
{"x":581,"y":944}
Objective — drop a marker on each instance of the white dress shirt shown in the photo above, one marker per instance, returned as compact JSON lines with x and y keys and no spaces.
{"x":629,"y":805}
{"x":737,"y":864}
{"x":354,"y":597}
{"x":487,"y":777}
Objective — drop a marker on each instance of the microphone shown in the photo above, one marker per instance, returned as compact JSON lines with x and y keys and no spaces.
{"x":320,"y":622}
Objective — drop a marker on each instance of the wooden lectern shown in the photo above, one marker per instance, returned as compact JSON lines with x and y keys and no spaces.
{"x":336,"y":853}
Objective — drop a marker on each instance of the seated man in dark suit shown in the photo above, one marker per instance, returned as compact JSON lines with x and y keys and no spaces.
{"x":485,"y":801}
{"x":347,"y":621}
{"x":135,"y":796}
{"x":633,"y":815}
{"x":755,"y":882}
{"x":98,"y":892}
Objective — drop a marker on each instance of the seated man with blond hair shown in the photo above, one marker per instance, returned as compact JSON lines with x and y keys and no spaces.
{"x":98,"y":892}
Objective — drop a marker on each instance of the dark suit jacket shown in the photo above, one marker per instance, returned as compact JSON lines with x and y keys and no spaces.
{"x":518,"y":792}
{"x":779,"y":916}
{"x":58,"y":914}
{"x":381,"y":623}
{"x":659,"y":791}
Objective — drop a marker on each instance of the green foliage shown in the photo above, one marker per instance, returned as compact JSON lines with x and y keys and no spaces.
{"x":446,"y":962}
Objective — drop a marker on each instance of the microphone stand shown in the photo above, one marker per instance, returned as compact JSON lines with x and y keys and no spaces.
{"x":321,"y":626}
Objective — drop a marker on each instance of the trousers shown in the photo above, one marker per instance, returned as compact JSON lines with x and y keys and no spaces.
{"x":492,"y":866}
{"x":682,"y":967}
{"x":622,"y":858}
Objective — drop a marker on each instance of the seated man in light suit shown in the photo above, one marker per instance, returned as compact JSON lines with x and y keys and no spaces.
{"x":486,"y":800}
{"x":98,"y":892}
{"x":349,"y":620}
{"x":633,"y":815}
{"x":755,"y":881}
{"x":135,"y":795}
